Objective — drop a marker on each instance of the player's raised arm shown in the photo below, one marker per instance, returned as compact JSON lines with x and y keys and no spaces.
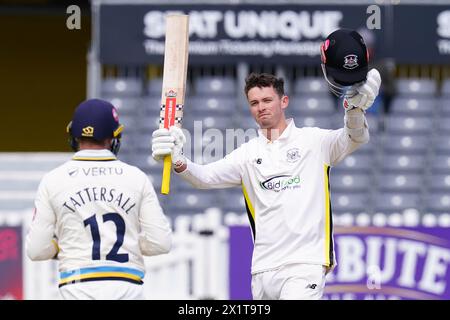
{"x":345,"y":63}
{"x":220,"y":174}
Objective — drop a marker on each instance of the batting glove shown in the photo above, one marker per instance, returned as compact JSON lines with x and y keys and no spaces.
{"x":169,"y":142}
{"x":366,"y":92}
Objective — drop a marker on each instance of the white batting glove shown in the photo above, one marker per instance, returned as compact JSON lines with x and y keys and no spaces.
{"x":366,"y":92}
{"x":169,"y":142}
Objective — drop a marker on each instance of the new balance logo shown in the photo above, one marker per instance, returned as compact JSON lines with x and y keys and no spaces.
{"x":312,"y":286}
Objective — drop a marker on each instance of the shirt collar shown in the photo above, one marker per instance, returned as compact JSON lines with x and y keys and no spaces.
{"x":94,"y":155}
{"x":284,"y":136}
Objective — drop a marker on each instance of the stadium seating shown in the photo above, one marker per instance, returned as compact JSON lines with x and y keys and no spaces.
{"x":389,"y":202}
{"x":413,"y":107}
{"x":356,"y":162}
{"x":214,"y":85}
{"x":316,"y":86}
{"x":445,"y":90}
{"x":406,"y":161}
{"x":439,"y":182}
{"x":416,"y":87}
{"x":398,"y":182}
{"x":408,"y":125}
{"x":350,"y":183}
{"x":405,"y":143}
{"x":403,"y":163}
{"x":310,"y":106}
{"x":121,"y":86}
{"x":438,"y":202}
{"x":350,"y":202}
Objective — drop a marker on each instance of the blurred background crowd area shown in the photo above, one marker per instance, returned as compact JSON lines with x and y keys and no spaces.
{"x":48,"y":69}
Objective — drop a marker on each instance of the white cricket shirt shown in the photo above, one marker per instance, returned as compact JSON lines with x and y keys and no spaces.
{"x":104,"y":215}
{"x":286,"y":189}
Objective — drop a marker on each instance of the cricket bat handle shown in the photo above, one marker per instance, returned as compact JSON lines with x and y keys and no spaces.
{"x":165,"y":184}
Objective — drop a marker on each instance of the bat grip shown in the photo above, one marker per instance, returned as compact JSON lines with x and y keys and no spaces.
{"x":165,"y":185}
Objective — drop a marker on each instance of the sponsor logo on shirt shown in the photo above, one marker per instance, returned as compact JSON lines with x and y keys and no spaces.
{"x":293,"y":155}
{"x":95,"y":171}
{"x":73,"y":172}
{"x":281,"y":183}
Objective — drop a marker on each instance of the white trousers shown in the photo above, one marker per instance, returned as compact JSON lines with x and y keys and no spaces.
{"x":290,"y":282}
{"x":102,"y":290}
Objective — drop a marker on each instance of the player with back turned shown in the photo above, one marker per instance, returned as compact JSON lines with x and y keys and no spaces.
{"x":284,"y":172}
{"x":97,"y":215}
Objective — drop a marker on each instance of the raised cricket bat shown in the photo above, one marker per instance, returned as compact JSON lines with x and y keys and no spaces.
{"x":174,"y":81}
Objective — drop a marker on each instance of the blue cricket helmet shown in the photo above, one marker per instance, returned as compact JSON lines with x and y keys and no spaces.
{"x":96,"y":119}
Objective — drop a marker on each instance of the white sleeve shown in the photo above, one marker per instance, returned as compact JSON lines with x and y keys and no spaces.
{"x":224,"y":173}
{"x":337,"y":144}
{"x":156,"y":235}
{"x":40,"y":241}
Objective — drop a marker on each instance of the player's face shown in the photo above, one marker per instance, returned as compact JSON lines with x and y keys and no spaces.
{"x":267,"y":107}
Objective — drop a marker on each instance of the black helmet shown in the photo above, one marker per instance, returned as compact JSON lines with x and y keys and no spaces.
{"x":345,"y":60}
{"x":96,"y":119}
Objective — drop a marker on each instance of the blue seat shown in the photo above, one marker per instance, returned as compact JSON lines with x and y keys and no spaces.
{"x":233,"y":200}
{"x":121,"y":86}
{"x":414,"y":107}
{"x":211,"y":105}
{"x":304,"y":106}
{"x":389,"y":202}
{"x":399,"y":182}
{"x":207,"y":122}
{"x":124,"y":105}
{"x":154,"y":87}
{"x":443,"y":125}
{"x":445,"y":90}
{"x":354,"y":163}
{"x":211,"y":85}
{"x":148,"y":121}
{"x":356,"y":182}
{"x":438,"y":202}
{"x":350,"y":202}
{"x":441,"y":144}
{"x":151,"y":105}
{"x":439,"y":182}
{"x":440,"y":163}
{"x":408,"y":125}
{"x":405,"y":143}
{"x":321,"y":122}
{"x":313,"y":85}
{"x":416,"y":87}
{"x":196,"y":200}
{"x":403,"y":163}
{"x":444,"y":106}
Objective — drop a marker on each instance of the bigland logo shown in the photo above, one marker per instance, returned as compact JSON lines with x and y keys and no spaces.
{"x":281,"y":183}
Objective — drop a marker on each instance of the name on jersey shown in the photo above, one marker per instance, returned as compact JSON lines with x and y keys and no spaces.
{"x":281,"y":183}
{"x":95,"y":194}
{"x":95,"y":171}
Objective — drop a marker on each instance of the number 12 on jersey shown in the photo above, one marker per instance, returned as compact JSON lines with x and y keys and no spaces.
{"x":120,"y":232}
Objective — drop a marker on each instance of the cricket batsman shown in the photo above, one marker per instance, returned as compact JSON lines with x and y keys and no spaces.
{"x":284,"y":171}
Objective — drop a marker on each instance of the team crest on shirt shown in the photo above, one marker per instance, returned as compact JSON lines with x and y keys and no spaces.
{"x":293,"y":155}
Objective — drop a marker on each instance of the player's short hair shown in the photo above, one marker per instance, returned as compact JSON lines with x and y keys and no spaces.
{"x":262,"y":80}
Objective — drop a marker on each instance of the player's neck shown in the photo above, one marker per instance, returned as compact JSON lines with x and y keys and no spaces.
{"x":275,"y":132}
